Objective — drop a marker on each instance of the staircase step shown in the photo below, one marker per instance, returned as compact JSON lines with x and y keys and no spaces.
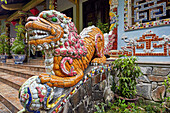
{"x":12,"y":80}
{"x":4,"y":109}
{"x":37,"y":61}
{"x":9,"y":60}
{"x":9,"y":97}
{"x":25,"y":66}
{"x":18,"y":72}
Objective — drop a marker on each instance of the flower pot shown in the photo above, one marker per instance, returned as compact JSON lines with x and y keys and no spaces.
{"x":3,"y":58}
{"x":18,"y":58}
{"x":127,"y":99}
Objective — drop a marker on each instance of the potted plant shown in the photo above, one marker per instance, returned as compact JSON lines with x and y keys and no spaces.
{"x":18,"y":46}
{"x":3,"y":48}
{"x":127,"y":72}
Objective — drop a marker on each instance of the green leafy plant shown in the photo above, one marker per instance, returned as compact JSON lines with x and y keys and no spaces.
{"x":127,"y":71}
{"x":153,"y":109}
{"x":167,"y":85}
{"x":104,"y":27}
{"x":18,"y":45}
{"x":43,"y":53}
{"x":120,"y":106}
{"x":100,"y":108}
{"x":3,"y":44}
{"x":89,"y":23}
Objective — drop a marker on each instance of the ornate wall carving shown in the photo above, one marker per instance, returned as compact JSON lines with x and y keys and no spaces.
{"x":149,"y":44}
{"x":140,"y":14}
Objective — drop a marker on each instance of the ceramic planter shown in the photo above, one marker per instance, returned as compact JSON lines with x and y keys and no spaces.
{"x":18,"y":58}
{"x":3,"y":58}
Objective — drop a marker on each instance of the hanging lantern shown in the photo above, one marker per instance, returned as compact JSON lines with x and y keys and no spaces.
{"x":34,"y":11}
{"x":13,"y":22}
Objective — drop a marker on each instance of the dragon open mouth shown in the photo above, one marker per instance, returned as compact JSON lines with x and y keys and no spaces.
{"x":37,"y":34}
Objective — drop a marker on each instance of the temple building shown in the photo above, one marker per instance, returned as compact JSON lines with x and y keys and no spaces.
{"x":54,"y":62}
{"x":141,"y":27}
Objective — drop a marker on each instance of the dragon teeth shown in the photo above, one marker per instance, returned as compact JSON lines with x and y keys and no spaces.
{"x":39,"y":47}
{"x":38,"y":34}
{"x":46,"y":46}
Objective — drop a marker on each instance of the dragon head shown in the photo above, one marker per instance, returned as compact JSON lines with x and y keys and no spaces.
{"x":52,"y":29}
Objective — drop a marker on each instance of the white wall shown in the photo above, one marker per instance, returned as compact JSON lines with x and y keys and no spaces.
{"x":81,"y":14}
{"x":66,"y":4}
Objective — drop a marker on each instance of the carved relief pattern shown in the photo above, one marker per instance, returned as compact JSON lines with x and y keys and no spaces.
{"x":149,"y":44}
{"x":153,"y":8}
{"x":141,"y":11}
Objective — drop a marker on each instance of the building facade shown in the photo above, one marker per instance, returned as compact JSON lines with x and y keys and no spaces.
{"x":141,"y":27}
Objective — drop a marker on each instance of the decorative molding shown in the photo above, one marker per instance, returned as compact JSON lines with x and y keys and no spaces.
{"x":27,"y":7}
{"x":113,"y":14}
{"x":31,"y":4}
{"x":16,"y":6}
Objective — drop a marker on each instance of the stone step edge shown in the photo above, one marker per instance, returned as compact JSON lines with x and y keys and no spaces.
{"x":5,"y":107}
{"x":10,"y":83}
{"x":23,"y":66}
{"x":19,"y":74}
{"x":8,"y":104}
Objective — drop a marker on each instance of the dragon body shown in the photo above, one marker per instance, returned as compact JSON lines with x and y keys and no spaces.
{"x":67,"y":55}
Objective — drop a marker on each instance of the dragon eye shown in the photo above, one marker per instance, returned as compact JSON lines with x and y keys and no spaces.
{"x":54,"y":19}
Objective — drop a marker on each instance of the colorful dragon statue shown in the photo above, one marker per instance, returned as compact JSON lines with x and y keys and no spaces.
{"x":67,"y":55}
